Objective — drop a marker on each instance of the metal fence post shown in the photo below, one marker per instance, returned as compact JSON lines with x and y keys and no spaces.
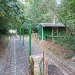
{"x":23,"y":35}
{"x":20,"y":33}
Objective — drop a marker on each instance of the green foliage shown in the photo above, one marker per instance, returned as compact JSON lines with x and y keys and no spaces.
{"x":69,"y":55}
{"x":66,"y":12}
{"x":49,"y":48}
{"x":39,"y":11}
{"x":56,"y":52}
{"x":15,"y":14}
{"x":7,"y":42}
{"x":4,"y":41}
{"x":10,"y":13}
{"x":3,"y":25}
{"x":68,"y":41}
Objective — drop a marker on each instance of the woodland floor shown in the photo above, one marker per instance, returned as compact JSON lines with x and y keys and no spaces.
{"x":3,"y":47}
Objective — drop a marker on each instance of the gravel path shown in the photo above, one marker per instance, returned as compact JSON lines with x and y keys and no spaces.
{"x":16,"y":60}
{"x":8,"y":68}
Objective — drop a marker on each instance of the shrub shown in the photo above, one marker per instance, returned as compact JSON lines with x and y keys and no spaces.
{"x":68,"y":41}
{"x":49,"y":48}
{"x":56,"y":52}
{"x":69,"y":55}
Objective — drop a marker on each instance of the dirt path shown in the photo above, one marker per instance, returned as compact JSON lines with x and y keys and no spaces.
{"x":17,"y":59}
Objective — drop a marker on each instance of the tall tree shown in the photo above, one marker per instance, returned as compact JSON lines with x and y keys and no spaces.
{"x":66,"y":13}
{"x":10,"y":13}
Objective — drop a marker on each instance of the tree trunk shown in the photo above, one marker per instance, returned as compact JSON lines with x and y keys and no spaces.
{"x":65,"y":25}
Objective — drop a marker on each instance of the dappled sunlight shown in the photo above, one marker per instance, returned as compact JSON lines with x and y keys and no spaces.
{"x":13,"y":31}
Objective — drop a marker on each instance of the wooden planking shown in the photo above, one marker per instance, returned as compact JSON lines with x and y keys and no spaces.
{"x":44,"y":62}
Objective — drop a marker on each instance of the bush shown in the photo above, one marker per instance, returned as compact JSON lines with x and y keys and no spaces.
{"x":68,"y":41}
{"x":69,"y":55}
{"x":56,"y":52}
{"x":49,"y":48}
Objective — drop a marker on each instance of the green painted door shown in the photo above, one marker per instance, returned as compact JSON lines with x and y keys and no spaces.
{"x":46,"y":31}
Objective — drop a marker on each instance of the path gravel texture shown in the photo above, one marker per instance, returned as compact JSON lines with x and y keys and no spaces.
{"x":16,"y":60}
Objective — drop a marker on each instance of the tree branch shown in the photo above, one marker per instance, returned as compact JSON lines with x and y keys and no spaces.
{"x":64,"y":24}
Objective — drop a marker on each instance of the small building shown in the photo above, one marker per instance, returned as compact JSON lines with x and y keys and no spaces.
{"x":51,"y":30}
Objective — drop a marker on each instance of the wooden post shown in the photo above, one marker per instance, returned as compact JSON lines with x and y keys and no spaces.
{"x":44,"y":63}
{"x":53,"y":38}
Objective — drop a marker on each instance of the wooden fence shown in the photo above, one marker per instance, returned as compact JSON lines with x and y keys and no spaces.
{"x":35,"y":35}
{"x":52,"y":38}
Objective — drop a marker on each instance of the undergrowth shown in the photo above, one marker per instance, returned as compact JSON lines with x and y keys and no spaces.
{"x":68,"y":42}
{"x":4,"y":41}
